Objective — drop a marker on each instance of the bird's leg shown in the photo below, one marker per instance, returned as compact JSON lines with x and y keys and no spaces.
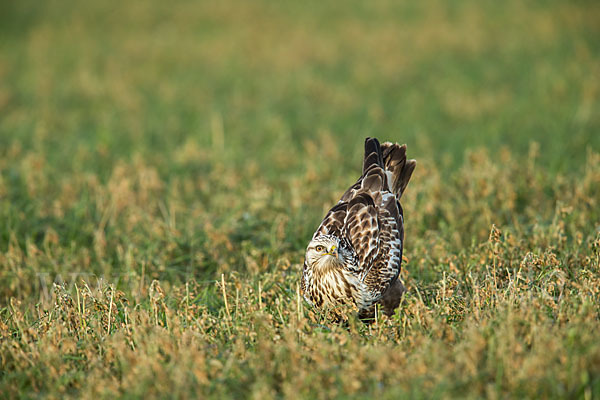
{"x":392,"y":296}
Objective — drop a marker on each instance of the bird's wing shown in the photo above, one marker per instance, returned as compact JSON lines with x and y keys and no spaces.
{"x":361,"y":227}
{"x":374,"y":224}
{"x":333,"y":222}
{"x":386,"y":265}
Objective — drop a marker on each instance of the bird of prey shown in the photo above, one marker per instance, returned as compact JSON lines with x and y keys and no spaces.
{"x":355,"y":255}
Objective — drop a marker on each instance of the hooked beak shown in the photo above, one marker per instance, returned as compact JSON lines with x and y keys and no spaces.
{"x":333,"y":251}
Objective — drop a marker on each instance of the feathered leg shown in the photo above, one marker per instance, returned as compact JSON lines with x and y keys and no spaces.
{"x":392,"y":297}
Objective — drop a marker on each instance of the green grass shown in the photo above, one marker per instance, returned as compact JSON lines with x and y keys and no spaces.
{"x":164,"y":164}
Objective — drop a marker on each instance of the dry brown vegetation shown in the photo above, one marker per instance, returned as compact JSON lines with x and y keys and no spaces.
{"x":515,"y":311}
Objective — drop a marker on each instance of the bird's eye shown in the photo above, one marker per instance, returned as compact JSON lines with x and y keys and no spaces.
{"x":319,"y":248}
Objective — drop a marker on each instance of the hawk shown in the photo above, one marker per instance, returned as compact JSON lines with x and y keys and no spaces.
{"x":355,"y":255}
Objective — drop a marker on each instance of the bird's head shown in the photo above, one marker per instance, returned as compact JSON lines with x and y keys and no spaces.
{"x":323,"y":251}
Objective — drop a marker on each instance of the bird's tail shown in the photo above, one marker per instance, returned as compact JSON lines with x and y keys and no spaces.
{"x":395,"y":162}
{"x":391,"y":157}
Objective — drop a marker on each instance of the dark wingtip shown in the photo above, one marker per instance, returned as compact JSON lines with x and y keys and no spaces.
{"x":372,"y":153}
{"x":371,"y":143}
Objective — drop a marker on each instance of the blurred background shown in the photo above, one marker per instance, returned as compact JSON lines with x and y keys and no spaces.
{"x":253,"y":79}
{"x":179,"y":132}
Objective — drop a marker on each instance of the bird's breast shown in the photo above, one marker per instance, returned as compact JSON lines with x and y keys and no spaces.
{"x":334,"y":286}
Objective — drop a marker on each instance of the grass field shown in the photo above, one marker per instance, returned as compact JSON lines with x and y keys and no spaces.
{"x":163,"y":166}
